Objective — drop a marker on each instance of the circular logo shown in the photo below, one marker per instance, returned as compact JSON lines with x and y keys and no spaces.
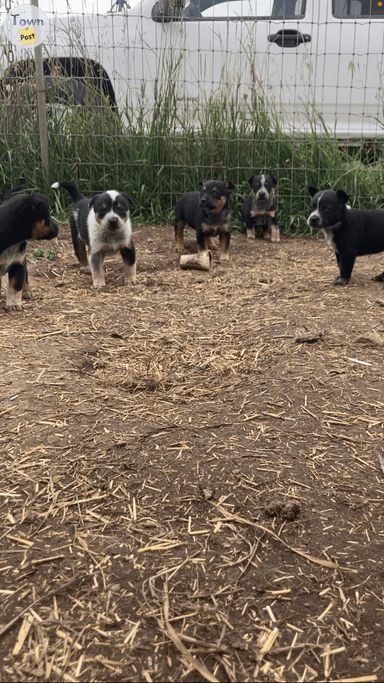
{"x":26,"y":26}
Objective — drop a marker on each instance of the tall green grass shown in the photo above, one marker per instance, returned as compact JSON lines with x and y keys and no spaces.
{"x":154,"y":154}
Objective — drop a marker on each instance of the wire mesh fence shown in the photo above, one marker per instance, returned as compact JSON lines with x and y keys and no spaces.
{"x":154,"y":98}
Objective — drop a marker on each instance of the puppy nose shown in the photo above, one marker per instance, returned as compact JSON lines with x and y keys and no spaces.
{"x":314,"y":220}
{"x":203,"y":201}
{"x":261,"y":195}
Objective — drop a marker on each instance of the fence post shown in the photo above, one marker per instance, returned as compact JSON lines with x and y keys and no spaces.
{"x":40,"y":95}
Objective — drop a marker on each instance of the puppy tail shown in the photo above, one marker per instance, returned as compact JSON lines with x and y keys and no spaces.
{"x":71,"y":189}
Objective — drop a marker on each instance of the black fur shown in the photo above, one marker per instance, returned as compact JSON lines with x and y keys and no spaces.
{"x":22,"y":217}
{"x":350,"y":232}
{"x":208,"y":212}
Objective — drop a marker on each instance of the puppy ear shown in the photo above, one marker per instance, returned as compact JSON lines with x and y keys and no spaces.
{"x":93,"y":198}
{"x":313,"y":191}
{"x":275,"y":178}
{"x":202,"y":183}
{"x":250,"y":179}
{"x":342,"y":195}
{"x":129,"y":200}
{"x":229,"y":185}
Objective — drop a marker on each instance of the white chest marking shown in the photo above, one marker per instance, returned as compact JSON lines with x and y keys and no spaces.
{"x":329,"y":238}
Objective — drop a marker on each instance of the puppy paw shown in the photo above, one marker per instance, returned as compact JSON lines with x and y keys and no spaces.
{"x":341,"y":282}
{"x":27,"y":295}
{"x":13,"y":307}
{"x":130,"y":283}
{"x":98,"y":285}
{"x":85,"y":269}
{"x":223,"y":258}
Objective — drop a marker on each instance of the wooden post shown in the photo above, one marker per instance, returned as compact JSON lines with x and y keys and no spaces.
{"x":41,"y":109}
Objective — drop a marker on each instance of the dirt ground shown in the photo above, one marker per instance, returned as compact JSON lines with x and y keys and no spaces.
{"x":192,"y":468}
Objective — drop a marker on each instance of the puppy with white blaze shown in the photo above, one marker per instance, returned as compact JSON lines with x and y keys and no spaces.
{"x":102,"y":225}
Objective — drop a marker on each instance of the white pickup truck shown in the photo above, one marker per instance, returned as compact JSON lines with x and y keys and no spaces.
{"x":317,"y":64}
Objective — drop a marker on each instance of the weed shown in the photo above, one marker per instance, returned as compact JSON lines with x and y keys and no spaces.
{"x":36,"y":253}
{"x":51,"y":253}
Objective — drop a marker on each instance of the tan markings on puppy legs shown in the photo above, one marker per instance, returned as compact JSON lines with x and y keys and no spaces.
{"x":179,"y":236}
{"x":26,"y":294}
{"x":275,"y":234}
{"x":250,"y":233}
{"x":13,"y":302}
{"x":201,"y":248}
{"x":210,"y":243}
{"x":130,"y":274}
{"x":224,"y":246}
{"x":83,"y":258}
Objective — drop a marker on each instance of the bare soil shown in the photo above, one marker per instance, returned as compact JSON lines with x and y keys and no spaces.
{"x":192,"y":469}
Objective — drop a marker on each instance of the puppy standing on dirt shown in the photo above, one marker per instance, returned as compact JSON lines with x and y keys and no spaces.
{"x":350,"y":232}
{"x":102,"y":224}
{"x":22,"y":217}
{"x":209,"y":213}
{"x":258,"y":213}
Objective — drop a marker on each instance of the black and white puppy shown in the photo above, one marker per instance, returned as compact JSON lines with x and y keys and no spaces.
{"x":258,"y":213}
{"x":350,"y":232}
{"x":22,"y":217}
{"x":102,"y":224}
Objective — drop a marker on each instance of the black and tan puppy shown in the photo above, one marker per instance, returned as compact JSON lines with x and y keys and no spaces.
{"x":209,"y":213}
{"x":101,"y":223}
{"x":350,"y":232}
{"x":258,"y":213}
{"x":22,"y":217}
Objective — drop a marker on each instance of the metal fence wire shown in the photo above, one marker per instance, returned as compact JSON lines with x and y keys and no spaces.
{"x":155,"y":97}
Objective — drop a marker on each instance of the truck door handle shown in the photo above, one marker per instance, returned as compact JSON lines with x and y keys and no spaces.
{"x":289,"y":38}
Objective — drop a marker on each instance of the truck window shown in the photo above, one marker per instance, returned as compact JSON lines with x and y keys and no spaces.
{"x":255,"y":9}
{"x":357,"y":9}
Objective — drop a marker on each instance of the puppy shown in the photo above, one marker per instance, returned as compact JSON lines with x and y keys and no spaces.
{"x":22,"y":217}
{"x":350,"y":232}
{"x":102,"y":224}
{"x":209,"y":213}
{"x":258,"y":213}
